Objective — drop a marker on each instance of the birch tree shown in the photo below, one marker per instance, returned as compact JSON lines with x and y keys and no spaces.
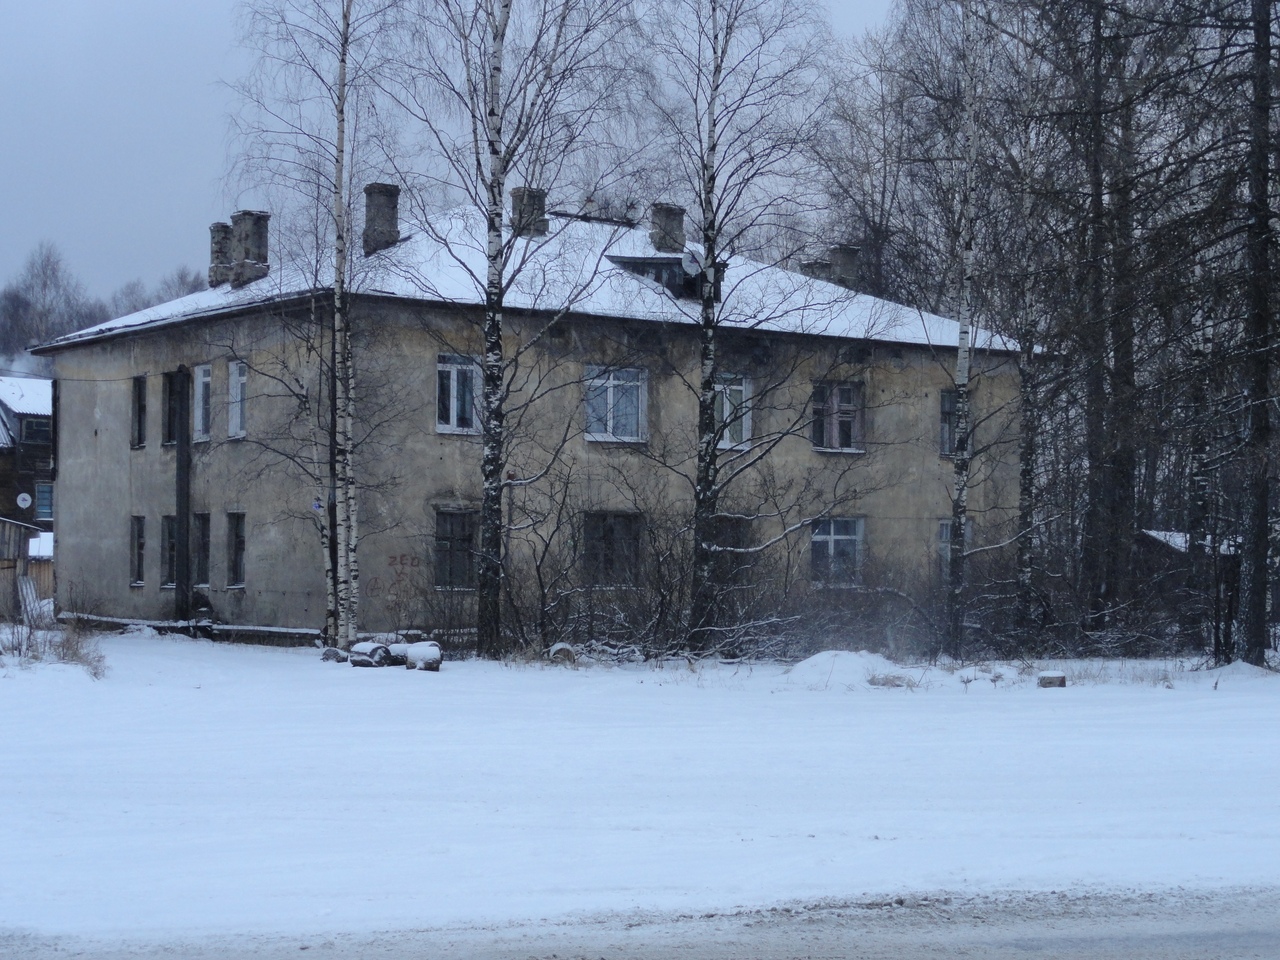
{"x":503,"y":95}
{"x":736,"y":98}
{"x":317,"y":60}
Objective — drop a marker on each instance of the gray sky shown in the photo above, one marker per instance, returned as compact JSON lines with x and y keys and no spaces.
{"x":114,"y":131}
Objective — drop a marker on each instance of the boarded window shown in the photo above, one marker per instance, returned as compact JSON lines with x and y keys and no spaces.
{"x":455,"y":553}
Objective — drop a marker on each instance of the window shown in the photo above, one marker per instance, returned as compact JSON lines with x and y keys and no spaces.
{"x":237,"y":381}
{"x":836,"y":550}
{"x":235,"y":549}
{"x":732,"y":561}
{"x":137,"y":548}
{"x":612,"y":554}
{"x":36,"y":430}
{"x":455,"y":556}
{"x":171,"y":407}
{"x":138,"y":433}
{"x":947,"y":423}
{"x":456,"y":381}
{"x":944,"y":549}
{"x":168,"y":551}
{"x":839,"y":415}
{"x":201,"y":409}
{"x":733,"y":415}
{"x":616,"y":404}
{"x":44,"y":501}
{"x":200,"y":550}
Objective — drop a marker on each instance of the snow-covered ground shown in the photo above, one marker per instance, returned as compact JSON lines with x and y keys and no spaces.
{"x":205,"y":790}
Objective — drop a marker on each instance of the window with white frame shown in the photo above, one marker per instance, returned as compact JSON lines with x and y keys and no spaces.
{"x":733,"y":410}
{"x":617,"y":403}
{"x":201,"y":406}
{"x":839,"y":416}
{"x":457,"y":380}
{"x":237,"y":384}
{"x":836,"y":550}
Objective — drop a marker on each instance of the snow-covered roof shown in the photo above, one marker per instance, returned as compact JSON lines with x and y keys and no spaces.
{"x":573,"y":268}
{"x":29,"y":396}
{"x":1178,"y":541}
{"x":40,"y":547}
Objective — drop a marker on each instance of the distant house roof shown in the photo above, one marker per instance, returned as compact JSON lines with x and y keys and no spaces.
{"x":28,"y":396}
{"x":22,"y":396}
{"x":573,"y":268}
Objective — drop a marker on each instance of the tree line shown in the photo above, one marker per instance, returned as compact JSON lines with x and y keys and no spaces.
{"x":1092,"y":179}
{"x":46,"y":300}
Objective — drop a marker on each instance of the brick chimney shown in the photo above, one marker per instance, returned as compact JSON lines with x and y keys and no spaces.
{"x":529,"y":212}
{"x":248,"y":246}
{"x":844,"y":264}
{"x":381,"y":217}
{"x":666,"y":227}
{"x":219,"y":253}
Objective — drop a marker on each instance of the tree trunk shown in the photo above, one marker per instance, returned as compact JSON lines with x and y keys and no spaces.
{"x":1255,"y":535}
{"x":702,"y":612}
{"x":963,"y":445}
{"x":493,"y":457}
{"x":1093,"y":550}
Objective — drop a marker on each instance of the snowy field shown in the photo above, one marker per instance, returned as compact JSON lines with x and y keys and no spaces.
{"x":204,"y":789}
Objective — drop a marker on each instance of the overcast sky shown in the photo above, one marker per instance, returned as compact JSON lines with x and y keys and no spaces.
{"x":114,"y":131}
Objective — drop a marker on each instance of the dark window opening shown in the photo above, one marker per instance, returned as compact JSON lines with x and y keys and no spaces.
{"x":200,"y":550}
{"x":612,"y":554}
{"x":37,"y":430}
{"x":138,"y":434}
{"x":171,"y":408}
{"x":137,"y":548}
{"x":947,"y":423}
{"x":235,"y":549}
{"x":168,"y":551}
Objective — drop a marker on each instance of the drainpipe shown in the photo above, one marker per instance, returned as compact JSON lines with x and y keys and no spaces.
{"x":182,"y":475}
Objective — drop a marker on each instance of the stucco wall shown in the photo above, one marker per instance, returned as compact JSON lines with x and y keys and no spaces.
{"x":900,"y":484}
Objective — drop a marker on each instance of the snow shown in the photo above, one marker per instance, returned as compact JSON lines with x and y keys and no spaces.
{"x":27,"y":395}
{"x":571,"y":268}
{"x":40,"y":547}
{"x":206,"y":788}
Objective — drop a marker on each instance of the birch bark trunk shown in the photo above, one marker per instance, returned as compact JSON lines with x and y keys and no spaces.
{"x":489,"y":562}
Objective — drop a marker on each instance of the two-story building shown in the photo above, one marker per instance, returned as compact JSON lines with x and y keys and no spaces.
{"x":193,"y":437}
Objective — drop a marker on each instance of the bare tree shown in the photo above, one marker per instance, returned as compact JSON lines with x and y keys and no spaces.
{"x":505,"y":95}
{"x":312,"y":87}
{"x":736,"y":98}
